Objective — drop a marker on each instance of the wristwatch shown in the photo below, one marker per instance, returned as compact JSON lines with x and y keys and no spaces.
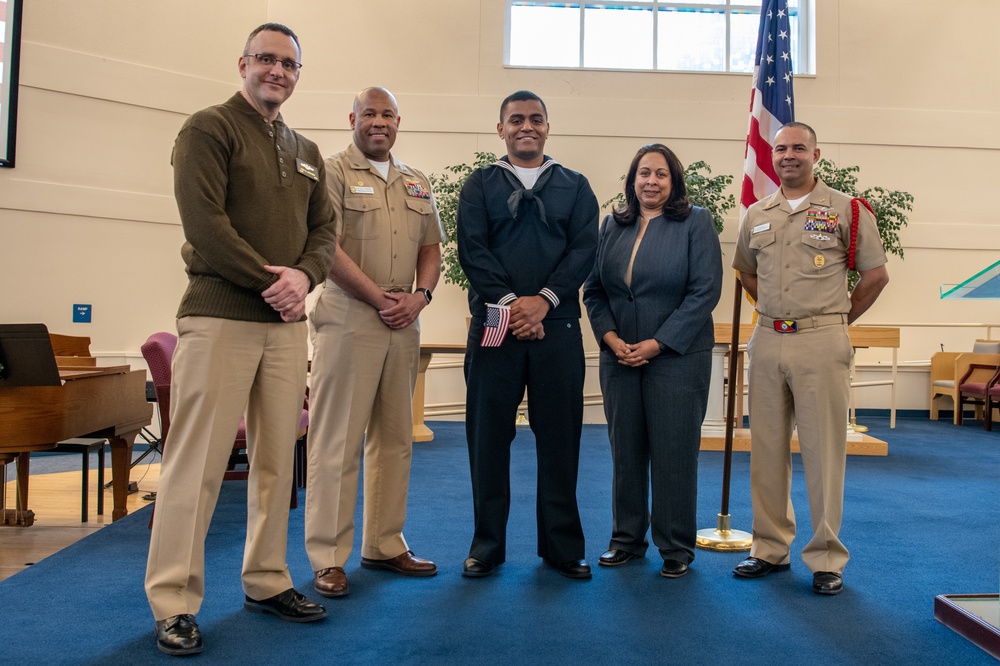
{"x":426,"y":292}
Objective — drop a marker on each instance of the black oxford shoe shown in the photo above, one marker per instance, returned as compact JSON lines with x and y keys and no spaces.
{"x":754,"y":567}
{"x":579,"y":569}
{"x":673,"y":569}
{"x":474,"y":568}
{"x":289,"y":606}
{"x":828,"y":582}
{"x":615,"y":558}
{"x":178,"y":635}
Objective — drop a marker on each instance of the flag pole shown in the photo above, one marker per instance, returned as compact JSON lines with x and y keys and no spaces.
{"x":723,"y":537}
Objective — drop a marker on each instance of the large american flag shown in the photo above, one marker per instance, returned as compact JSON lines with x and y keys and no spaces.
{"x":771,"y":101}
{"x":497,"y":320}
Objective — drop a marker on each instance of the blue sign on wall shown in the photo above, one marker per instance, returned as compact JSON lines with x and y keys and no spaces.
{"x":81,"y":313}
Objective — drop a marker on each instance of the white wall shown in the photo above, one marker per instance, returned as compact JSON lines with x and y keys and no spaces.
{"x":904,"y":90}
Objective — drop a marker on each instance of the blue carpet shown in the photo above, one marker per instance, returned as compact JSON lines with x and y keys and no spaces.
{"x":919,"y":523}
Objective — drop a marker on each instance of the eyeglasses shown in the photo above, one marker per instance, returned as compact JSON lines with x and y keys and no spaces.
{"x":268,"y":60}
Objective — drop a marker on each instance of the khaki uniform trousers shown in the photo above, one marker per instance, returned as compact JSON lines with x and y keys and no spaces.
{"x":362,"y":379}
{"x":802,"y":379}
{"x":222,"y":367}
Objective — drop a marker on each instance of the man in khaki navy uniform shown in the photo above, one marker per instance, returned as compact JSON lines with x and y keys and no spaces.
{"x":792,"y":255}
{"x":366,"y":346}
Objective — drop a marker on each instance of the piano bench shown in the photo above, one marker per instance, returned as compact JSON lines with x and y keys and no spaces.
{"x":86,"y":447}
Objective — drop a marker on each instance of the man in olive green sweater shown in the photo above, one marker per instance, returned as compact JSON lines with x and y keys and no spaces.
{"x":259,"y":227}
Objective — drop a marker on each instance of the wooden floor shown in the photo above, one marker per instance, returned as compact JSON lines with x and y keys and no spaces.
{"x":55,"y":500}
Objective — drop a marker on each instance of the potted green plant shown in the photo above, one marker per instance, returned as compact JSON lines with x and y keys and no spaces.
{"x":447,"y":189}
{"x":890,"y":206}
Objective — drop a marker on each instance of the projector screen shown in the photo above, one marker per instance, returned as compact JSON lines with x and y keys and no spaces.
{"x":10,"y":19}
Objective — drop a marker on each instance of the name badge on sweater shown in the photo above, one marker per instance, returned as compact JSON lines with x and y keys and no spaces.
{"x":307,"y":170}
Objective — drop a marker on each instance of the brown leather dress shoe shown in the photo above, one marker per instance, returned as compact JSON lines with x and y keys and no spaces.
{"x":331,"y":582}
{"x":406,"y":564}
{"x":178,"y":635}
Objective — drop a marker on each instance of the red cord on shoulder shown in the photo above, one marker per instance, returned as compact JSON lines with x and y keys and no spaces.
{"x":855,"y":217}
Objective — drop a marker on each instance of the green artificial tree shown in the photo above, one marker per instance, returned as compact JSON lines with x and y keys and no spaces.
{"x":446,"y":192}
{"x":890,"y":206}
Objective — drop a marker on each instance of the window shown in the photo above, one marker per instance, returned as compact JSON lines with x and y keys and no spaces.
{"x":706,"y":36}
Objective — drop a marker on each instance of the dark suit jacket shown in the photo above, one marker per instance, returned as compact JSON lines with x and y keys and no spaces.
{"x":676,"y":282}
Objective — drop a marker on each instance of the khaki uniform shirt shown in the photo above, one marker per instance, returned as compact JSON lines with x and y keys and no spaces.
{"x":800,"y":258}
{"x":383,"y":224}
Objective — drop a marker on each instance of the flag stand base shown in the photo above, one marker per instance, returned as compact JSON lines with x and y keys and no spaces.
{"x":723,"y":538}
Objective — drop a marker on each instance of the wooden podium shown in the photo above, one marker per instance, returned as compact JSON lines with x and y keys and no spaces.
{"x":421,"y":433}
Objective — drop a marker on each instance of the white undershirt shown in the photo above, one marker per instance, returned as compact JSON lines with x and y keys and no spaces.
{"x":528,"y":176}
{"x":797,"y":202}
{"x":382,"y":168}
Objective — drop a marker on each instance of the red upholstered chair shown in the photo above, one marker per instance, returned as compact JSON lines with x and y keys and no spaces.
{"x":158,"y":350}
{"x":947,"y":369}
{"x":975,"y":389}
{"x":992,"y":402}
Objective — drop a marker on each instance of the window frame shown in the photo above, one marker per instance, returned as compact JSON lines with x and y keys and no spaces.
{"x":805,"y":57}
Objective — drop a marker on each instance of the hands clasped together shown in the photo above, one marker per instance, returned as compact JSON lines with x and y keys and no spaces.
{"x":288,"y":294}
{"x":526,"y":315}
{"x":632,"y":355}
{"x":400,"y":309}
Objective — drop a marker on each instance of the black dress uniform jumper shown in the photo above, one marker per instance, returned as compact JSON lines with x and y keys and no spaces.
{"x":514,"y":242}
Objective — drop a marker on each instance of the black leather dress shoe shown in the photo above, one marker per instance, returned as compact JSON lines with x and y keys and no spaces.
{"x":573,"y":569}
{"x":754,"y":567}
{"x":289,"y":606}
{"x":828,"y":582}
{"x":615,"y":558}
{"x":178,"y":635}
{"x":474,"y":568}
{"x":673,"y":569}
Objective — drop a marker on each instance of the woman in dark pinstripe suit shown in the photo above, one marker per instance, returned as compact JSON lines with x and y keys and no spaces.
{"x":650,"y":297}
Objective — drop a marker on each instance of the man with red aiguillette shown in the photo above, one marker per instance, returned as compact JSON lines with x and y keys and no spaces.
{"x":793,"y":253}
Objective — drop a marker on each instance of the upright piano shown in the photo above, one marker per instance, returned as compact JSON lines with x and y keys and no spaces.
{"x":86,"y":400}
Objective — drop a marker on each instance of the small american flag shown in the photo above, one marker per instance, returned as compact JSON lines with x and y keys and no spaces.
{"x":497,"y":320}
